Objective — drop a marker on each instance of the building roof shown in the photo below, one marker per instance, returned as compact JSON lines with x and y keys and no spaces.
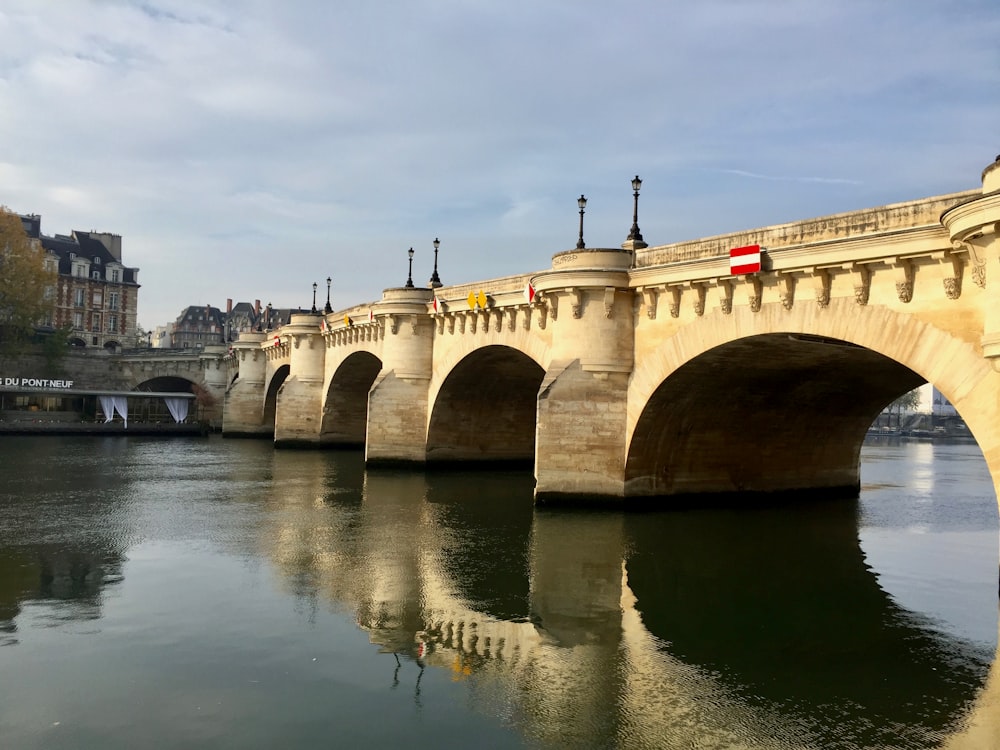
{"x":79,"y":244}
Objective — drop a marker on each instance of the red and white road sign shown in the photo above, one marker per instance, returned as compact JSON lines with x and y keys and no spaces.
{"x":745,"y":259}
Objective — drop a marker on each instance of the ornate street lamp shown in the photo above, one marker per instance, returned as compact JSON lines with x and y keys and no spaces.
{"x":582,"y":203}
{"x":328,"y":309}
{"x":435,"y":279}
{"x":634,"y":233}
{"x":314,"y":310}
{"x":267,"y":317}
{"x":409,"y":275}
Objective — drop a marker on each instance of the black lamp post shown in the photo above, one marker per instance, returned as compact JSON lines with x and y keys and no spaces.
{"x":634,"y":233}
{"x":328,"y":309}
{"x":435,"y":279}
{"x":582,"y":203}
{"x":267,"y":317}
{"x":314,"y":310}
{"x":409,"y":275}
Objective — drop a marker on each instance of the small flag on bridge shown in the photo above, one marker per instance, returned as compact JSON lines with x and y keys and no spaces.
{"x":437,"y":305}
{"x":529,"y":292}
{"x":277,"y":341}
{"x":371,"y":315}
{"x":745,"y":259}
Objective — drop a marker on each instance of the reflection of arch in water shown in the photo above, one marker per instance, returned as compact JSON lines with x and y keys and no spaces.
{"x":781,"y":605}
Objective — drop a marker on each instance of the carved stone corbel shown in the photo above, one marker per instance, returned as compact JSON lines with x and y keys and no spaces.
{"x":576,"y":301}
{"x":297,"y":341}
{"x":821,"y":286}
{"x":861,"y":277}
{"x":440,"y":325}
{"x":552,"y":303}
{"x":904,"y":280}
{"x":675,"y":301}
{"x":649,"y":299}
{"x":451,"y":323}
{"x":725,"y":296}
{"x":543,"y":314}
{"x":977,"y":259}
{"x":461,"y":322}
{"x":953,"y":283}
{"x":511,"y":318}
{"x":699,"y":298}
{"x":609,"y":301}
{"x":755,"y":289}
{"x":394,"y":322}
{"x":498,"y":321}
{"x":526,"y":317}
{"x":473,"y":322}
{"x":786,"y":290}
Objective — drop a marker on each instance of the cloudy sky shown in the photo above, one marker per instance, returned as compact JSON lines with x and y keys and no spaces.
{"x":247,"y":148}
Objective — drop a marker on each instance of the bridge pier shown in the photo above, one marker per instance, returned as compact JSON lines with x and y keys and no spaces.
{"x":582,"y":403}
{"x":398,"y":399}
{"x":298,"y":416}
{"x":212,"y":396}
{"x":244,"y":414}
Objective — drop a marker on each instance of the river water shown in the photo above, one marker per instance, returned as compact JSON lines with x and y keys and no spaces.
{"x":209,"y":593}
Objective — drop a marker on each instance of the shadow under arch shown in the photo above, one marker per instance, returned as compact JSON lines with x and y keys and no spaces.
{"x":781,"y":606}
{"x":271,"y":397}
{"x":767,"y":413}
{"x":345,"y":408}
{"x":486,"y":408}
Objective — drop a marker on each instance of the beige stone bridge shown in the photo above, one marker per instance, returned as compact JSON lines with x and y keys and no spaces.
{"x":642,"y":372}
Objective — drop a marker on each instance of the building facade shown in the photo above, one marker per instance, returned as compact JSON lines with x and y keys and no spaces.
{"x":96,"y":295}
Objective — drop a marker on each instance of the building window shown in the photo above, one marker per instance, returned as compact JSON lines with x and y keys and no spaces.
{"x":114,"y":275}
{"x":97,"y":260}
{"x":95,"y":323}
{"x":95,"y":275}
{"x":78,"y":297}
{"x":112,"y":324}
{"x":81,"y":271}
{"x":98,"y":299}
{"x":112,"y":300}
{"x":78,"y":320}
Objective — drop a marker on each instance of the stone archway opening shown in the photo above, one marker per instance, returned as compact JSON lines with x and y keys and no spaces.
{"x":762,"y":415}
{"x":271,"y":398}
{"x":345,"y":412}
{"x":486,"y":409}
{"x":155,"y":410}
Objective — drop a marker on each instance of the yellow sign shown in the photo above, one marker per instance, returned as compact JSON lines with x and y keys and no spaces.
{"x":347,"y":320}
{"x":472,"y":300}
{"x":481,"y":299}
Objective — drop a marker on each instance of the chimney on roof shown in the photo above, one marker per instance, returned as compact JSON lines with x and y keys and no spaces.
{"x":229,"y":306}
{"x":112,"y":242}
{"x":256,"y":306}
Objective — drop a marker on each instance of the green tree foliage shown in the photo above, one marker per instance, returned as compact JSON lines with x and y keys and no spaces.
{"x":25,"y":284}
{"x":907,"y":402}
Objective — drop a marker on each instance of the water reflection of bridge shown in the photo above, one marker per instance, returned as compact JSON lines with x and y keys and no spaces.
{"x":610,"y":630}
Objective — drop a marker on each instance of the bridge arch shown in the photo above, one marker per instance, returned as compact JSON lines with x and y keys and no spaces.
{"x":271,"y":394}
{"x":781,"y":400}
{"x":345,"y":405}
{"x":485,"y":408}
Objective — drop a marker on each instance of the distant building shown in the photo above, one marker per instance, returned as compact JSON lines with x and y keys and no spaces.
{"x":197,"y":327}
{"x":200,"y":326}
{"x":96,"y":295}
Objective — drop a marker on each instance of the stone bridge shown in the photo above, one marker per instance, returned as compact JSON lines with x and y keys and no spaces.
{"x":202,"y":372}
{"x":641,"y":372}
